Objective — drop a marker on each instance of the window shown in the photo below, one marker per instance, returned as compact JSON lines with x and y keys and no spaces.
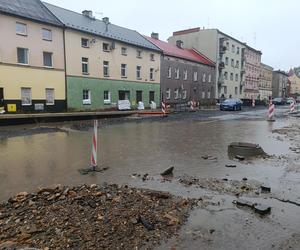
{"x":226,"y":75}
{"x":177,"y":73}
{"x":47,"y":34}
{"x":151,"y":96}
{"x":22,"y":55}
{"x":106,"y":97}
{"x":124,"y":51}
{"x":86,"y":96}
{"x":227,"y":45}
{"x":225,"y":90}
{"x":169,"y":72}
{"x":85,"y":43}
{"x":209,"y":78}
{"x":139,"y":54}
{"x":226,"y":60}
{"x":237,"y":65}
{"x":208,"y":95}
{"x":123,"y":70}
{"x":85,"y":65}
{"x":176,"y":94}
{"x":26,"y":96}
{"x":138,"y":72}
{"x":195,"y":76}
{"x":152,"y":57}
{"x":237,"y":50}
{"x":47,"y":56}
{"x":232,"y":48}
{"x":21,"y":29}
{"x":168,"y":94}
{"x":236,"y":77}
{"x":151,"y":74}
{"x":139,"y":96}
{"x":106,"y":68}
{"x":185,"y":75}
{"x":105,"y":47}
{"x":236,"y":90}
{"x":184,"y":94}
{"x":231,"y":76}
{"x":232,"y":62}
{"x":49,"y":96}
{"x":204,"y":78}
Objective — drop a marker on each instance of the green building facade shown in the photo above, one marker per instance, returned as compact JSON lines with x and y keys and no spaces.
{"x":98,"y":94}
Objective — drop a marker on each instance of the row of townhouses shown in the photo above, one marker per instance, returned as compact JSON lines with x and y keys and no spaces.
{"x":53,"y":59}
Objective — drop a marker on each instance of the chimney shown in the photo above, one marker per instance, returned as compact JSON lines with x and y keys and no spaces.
{"x":105,"y":20}
{"x":179,"y":44}
{"x":88,"y":13}
{"x":155,"y":35}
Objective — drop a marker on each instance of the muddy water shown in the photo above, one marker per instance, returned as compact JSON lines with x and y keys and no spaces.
{"x":28,"y":162}
{"x":149,"y":147}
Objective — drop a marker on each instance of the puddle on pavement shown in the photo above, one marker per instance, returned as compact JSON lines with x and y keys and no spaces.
{"x":27,"y":162}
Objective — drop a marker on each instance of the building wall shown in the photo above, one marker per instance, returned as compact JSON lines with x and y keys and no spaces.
{"x":209,"y":42}
{"x":253,"y":60}
{"x":33,"y":42}
{"x":279,"y":81}
{"x":204,"y":41}
{"x":265,"y":82}
{"x":96,"y":56}
{"x":199,"y":91}
{"x":232,"y":85}
{"x":295,"y":82}
{"x":97,"y":86}
{"x":14,"y":76}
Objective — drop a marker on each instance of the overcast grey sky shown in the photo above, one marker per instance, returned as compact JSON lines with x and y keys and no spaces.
{"x":271,"y":26}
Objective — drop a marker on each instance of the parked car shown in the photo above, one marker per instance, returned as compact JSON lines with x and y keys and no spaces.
{"x":298,"y":99}
{"x":278,"y":101}
{"x":289,"y":100}
{"x":231,"y":104}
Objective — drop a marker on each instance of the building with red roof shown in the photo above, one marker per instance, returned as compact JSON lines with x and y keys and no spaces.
{"x":186,"y":74}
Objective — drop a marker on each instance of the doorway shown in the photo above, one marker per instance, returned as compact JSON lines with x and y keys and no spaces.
{"x":124,"y":95}
{"x":1,"y":97}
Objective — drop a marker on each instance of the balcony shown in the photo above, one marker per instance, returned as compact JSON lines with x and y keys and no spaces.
{"x":221,"y":81}
{"x":221,"y":66}
{"x":222,"y":49}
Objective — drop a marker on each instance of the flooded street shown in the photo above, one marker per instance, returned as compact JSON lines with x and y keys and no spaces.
{"x":151,"y":146}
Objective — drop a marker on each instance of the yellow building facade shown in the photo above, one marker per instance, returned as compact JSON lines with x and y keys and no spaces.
{"x":32,"y":72}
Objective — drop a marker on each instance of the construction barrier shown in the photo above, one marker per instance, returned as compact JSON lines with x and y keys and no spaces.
{"x":271,"y":112}
{"x":292,"y":107}
{"x":94,"y":146}
{"x":253,"y":103}
{"x":163,"y":108}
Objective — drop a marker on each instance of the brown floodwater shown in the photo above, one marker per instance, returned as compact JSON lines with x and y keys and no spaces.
{"x":32,"y":161}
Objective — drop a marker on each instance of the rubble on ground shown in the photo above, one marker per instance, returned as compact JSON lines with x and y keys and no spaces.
{"x":91,"y":217}
{"x":223,"y":186}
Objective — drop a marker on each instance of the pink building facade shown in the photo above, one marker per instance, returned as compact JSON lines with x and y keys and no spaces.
{"x":251,"y":61}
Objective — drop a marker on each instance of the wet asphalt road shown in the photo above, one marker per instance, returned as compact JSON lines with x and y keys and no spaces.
{"x":152,"y":145}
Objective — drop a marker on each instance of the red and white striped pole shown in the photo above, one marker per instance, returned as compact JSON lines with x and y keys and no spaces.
{"x":271,"y":111}
{"x":163,"y":108}
{"x":94,"y":146}
{"x":292,"y":107}
{"x":253,"y":103}
{"x":192,"y":105}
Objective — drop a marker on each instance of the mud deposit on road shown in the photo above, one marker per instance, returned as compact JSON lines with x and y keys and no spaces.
{"x":91,"y":217}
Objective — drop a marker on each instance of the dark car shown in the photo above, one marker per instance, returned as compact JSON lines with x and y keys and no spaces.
{"x":278,"y":101}
{"x":231,"y":104}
